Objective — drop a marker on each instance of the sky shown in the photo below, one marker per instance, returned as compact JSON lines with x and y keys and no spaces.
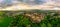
{"x":4,"y":3}
{"x":7,"y":2}
{"x":38,"y":1}
{"x":26,"y":1}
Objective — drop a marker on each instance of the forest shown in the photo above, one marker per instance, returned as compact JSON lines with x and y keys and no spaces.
{"x":32,"y":18}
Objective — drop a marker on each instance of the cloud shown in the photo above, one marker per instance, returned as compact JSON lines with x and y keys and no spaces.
{"x":58,"y":1}
{"x":1,"y":1}
{"x":31,"y":2}
{"x":4,"y":3}
{"x":15,"y":1}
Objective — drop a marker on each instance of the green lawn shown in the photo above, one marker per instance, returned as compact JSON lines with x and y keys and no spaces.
{"x":4,"y":22}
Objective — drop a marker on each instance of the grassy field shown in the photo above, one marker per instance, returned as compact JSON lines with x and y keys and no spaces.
{"x":4,"y":19}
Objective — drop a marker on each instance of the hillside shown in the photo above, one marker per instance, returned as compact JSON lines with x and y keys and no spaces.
{"x":32,"y":18}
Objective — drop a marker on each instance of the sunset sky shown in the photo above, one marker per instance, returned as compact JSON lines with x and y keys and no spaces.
{"x":30,"y":4}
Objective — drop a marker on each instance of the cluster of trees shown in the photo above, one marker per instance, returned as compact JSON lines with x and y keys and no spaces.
{"x":49,"y":21}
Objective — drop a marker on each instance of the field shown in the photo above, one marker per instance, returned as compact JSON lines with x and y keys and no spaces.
{"x":32,"y":18}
